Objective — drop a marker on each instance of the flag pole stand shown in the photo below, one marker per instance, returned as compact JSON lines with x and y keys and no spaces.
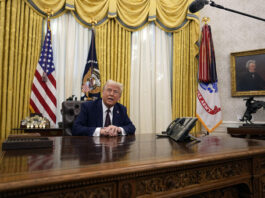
{"x":49,"y":13}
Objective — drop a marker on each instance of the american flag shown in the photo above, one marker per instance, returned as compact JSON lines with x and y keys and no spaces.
{"x":43,"y":91}
{"x":40,"y":162}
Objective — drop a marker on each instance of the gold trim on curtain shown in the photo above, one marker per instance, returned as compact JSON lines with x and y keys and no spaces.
{"x":20,"y":42}
{"x":70,"y":5}
{"x":185,"y":66}
{"x":113,"y":45}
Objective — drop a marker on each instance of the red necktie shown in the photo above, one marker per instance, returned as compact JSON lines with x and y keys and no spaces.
{"x":107,"y":121}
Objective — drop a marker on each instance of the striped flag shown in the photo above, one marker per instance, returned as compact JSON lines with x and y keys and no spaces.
{"x":207,"y":66}
{"x":40,"y":162}
{"x":91,"y":76}
{"x":43,"y":91}
{"x":208,"y":109}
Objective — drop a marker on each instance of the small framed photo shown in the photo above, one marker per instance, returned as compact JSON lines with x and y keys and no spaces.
{"x":248,"y":73}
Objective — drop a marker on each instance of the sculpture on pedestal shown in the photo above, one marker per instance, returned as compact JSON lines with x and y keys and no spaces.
{"x":252,"y":107}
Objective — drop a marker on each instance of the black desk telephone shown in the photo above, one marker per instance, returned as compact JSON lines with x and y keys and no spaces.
{"x":179,"y":129}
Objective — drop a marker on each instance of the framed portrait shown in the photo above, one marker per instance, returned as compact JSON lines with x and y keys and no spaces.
{"x":248,"y":73}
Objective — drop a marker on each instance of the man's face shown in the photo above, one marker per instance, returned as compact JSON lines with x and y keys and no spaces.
{"x":252,"y":67}
{"x":111,"y":94}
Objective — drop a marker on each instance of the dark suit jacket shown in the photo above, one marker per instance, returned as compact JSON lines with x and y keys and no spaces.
{"x":251,"y":83}
{"x":91,"y":117}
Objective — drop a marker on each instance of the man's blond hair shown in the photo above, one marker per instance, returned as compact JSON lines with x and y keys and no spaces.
{"x":112,"y":82}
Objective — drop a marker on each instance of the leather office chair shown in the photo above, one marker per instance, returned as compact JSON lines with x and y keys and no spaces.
{"x":70,"y":110}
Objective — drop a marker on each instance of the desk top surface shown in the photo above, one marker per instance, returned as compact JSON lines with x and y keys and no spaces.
{"x":83,"y":157}
{"x":37,"y":129}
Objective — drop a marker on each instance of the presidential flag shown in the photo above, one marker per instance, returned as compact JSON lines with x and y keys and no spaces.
{"x":43,"y":91}
{"x":208,"y":109}
{"x":91,"y":76}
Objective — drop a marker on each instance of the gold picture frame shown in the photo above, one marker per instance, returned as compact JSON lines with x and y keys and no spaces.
{"x":244,"y":82}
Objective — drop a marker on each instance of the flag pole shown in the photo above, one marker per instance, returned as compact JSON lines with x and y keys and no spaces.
{"x":91,"y":76}
{"x":93,"y":22}
{"x":49,"y":13}
{"x":205,"y":20}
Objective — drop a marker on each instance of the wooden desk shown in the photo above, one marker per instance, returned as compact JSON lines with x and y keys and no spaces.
{"x":136,"y":166}
{"x":252,"y":132}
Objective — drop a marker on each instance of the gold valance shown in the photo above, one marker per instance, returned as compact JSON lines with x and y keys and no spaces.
{"x":70,"y":4}
{"x":57,"y":7}
{"x":131,"y":14}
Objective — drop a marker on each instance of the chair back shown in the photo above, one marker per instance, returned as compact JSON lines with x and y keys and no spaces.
{"x":70,"y":110}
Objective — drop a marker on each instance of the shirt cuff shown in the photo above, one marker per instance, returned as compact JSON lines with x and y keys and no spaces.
{"x":122,"y":131}
{"x":97,"y":132}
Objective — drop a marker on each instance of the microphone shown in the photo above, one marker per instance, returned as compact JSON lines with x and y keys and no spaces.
{"x":197,"y":5}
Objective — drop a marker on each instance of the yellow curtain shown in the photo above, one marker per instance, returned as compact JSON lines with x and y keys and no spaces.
{"x":14,"y":164}
{"x":20,"y":44}
{"x":42,"y":7}
{"x":185,"y":65}
{"x":130,"y":14}
{"x":171,"y":15}
{"x":113,"y":44}
{"x":20,"y":41}
{"x":88,"y":11}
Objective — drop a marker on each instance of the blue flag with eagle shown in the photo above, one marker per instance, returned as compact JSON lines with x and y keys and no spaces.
{"x":91,"y":75}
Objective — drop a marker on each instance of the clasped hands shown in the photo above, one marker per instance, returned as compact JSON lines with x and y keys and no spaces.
{"x":111,"y":130}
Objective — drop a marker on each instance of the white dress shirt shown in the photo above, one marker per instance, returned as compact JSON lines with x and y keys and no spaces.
{"x":105,"y":108}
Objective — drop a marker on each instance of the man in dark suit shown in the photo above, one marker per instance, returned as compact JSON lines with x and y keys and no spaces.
{"x":104,"y":117}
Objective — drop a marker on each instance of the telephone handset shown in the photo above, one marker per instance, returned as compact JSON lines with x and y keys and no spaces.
{"x":174,"y":124}
{"x":179,"y":128}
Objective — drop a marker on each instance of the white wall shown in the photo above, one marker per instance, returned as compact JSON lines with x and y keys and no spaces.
{"x":235,"y":33}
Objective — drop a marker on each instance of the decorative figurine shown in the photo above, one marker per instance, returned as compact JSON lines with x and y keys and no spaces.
{"x":252,"y":107}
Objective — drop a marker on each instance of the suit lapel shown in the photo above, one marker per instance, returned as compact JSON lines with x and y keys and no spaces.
{"x":116,"y":115}
{"x":99,"y":114}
